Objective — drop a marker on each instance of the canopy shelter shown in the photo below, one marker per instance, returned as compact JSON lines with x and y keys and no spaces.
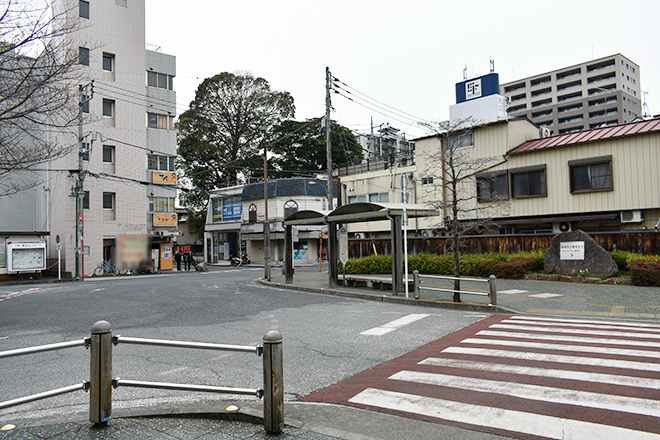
{"x":354,"y":213}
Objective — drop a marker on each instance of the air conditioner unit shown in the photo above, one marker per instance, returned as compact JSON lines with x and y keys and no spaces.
{"x":427,"y":233}
{"x":359,"y":235}
{"x":559,"y":227}
{"x":544,"y":132}
{"x":631,"y":216}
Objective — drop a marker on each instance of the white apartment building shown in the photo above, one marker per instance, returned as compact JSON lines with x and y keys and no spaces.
{"x":128,"y":143}
{"x":596,"y":93}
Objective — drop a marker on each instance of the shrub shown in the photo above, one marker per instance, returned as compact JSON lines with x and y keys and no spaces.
{"x":470,"y":265}
{"x":505,"y":269}
{"x":645,"y":273}
{"x":624,"y":259}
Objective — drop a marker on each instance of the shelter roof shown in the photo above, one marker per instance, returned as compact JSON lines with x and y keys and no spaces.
{"x":358,"y":212}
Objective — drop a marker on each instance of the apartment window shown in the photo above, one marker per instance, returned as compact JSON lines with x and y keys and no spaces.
{"x":357,"y":199}
{"x":108,"y":62}
{"x":427,"y":181}
{"x":83,"y":56}
{"x":108,"y":108}
{"x":109,"y":201}
{"x":83,"y":9}
{"x":86,"y":200}
{"x":161,"y":204}
{"x":382,"y":197}
{"x":85,"y":151}
{"x":528,"y":182}
{"x":492,"y":187}
{"x":290,"y":207}
{"x":460,"y":141}
{"x":593,"y":174}
{"x":160,"y":163}
{"x":252,"y":213}
{"x":162,"y":122}
{"x":160,"y":80}
{"x":108,"y":154}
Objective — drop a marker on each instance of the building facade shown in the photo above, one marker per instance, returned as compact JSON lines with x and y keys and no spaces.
{"x":118,"y":181}
{"x":601,"y":92}
{"x":598,"y":180}
{"x":235,"y":219}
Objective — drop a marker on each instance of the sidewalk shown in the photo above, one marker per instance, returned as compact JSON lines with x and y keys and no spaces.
{"x":560,"y":298}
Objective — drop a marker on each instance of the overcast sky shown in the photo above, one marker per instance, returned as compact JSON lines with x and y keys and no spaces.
{"x":400,"y":58}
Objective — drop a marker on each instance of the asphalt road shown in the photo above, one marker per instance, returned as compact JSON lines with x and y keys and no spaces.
{"x":326,"y":338}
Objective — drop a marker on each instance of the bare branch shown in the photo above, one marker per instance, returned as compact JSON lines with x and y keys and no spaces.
{"x":39,"y":74}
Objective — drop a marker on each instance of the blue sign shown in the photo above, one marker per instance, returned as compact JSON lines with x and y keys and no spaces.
{"x":478,"y":87}
{"x":231,"y":211}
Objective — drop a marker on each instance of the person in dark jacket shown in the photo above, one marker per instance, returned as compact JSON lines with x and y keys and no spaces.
{"x":177,"y":258}
{"x":187,"y":257}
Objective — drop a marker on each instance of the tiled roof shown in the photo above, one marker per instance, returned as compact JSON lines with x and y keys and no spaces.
{"x":581,"y":137}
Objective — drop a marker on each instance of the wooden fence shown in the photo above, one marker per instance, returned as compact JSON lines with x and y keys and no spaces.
{"x":640,"y":242}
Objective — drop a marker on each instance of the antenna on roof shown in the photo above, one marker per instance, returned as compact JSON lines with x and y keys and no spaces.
{"x":465,"y":73}
{"x":492,"y":65}
{"x":645,"y":108}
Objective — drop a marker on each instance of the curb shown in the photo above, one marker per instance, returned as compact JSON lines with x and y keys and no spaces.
{"x":473,"y":307}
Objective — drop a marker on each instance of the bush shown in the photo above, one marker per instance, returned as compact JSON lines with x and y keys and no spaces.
{"x":645,"y":273}
{"x":512,"y":270}
{"x":470,"y":265}
{"x":625,"y":259}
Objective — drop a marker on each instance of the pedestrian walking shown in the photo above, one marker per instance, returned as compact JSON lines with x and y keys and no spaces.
{"x":177,"y":258}
{"x":187,"y":257}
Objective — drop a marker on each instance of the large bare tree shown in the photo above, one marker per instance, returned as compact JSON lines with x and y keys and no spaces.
{"x":38,"y":91}
{"x":453,"y":186}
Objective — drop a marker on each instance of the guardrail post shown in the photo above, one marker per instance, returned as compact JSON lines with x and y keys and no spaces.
{"x":100,"y":374}
{"x":492,"y":288}
{"x":273,"y":383}
{"x":416,"y":283}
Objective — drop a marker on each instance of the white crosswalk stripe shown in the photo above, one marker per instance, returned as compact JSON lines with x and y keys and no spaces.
{"x":393,"y":325}
{"x":529,"y":375}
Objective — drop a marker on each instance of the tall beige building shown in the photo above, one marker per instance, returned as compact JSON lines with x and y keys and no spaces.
{"x":596,"y":93}
{"x":125,"y":156}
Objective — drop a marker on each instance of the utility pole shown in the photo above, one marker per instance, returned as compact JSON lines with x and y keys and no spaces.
{"x":266,"y":223}
{"x":85,"y":95}
{"x":328,"y":147}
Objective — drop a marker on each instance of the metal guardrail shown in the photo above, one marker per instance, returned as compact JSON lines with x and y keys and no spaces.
{"x":101,"y":383}
{"x":491,"y":281}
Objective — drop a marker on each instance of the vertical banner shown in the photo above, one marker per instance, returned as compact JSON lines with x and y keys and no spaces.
{"x":166,"y":256}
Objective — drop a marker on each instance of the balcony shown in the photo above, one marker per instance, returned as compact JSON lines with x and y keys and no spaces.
{"x":602,"y":65}
{"x":571,"y":73}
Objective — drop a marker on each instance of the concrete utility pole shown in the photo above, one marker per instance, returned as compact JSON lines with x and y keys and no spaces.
{"x":85,"y":95}
{"x":328,"y":147}
{"x":266,"y":223}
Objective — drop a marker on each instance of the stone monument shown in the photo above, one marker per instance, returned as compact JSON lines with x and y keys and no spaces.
{"x":576,"y":251}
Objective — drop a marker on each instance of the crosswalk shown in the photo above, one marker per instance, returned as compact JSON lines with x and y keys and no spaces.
{"x":529,"y":377}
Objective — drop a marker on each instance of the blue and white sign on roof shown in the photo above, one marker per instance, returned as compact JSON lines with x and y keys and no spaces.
{"x":477,"y":87}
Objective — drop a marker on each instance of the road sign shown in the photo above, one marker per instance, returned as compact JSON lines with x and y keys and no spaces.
{"x":57,"y":239}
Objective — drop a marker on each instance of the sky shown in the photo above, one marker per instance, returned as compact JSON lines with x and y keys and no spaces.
{"x":399,"y":59}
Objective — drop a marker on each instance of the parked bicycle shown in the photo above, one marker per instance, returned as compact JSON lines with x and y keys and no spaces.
{"x":108,"y":268}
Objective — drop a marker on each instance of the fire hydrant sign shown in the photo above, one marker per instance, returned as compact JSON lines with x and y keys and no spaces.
{"x":571,"y":250}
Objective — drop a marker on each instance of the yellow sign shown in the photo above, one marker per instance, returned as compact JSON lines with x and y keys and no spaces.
{"x":165,"y":220}
{"x":164,"y":178}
